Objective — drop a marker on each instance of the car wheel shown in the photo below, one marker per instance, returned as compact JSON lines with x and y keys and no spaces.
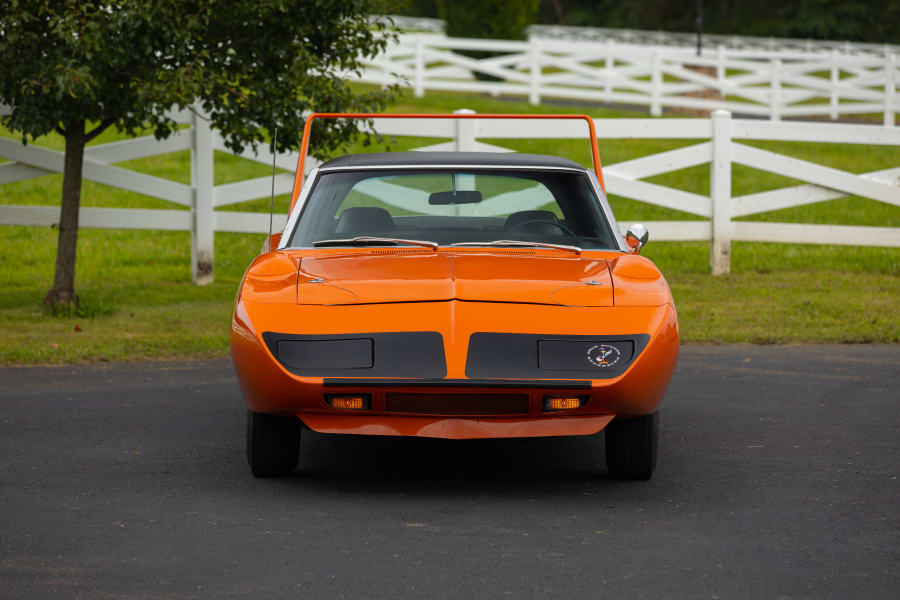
{"x":631,"y":446}
{"x":273,"y":444}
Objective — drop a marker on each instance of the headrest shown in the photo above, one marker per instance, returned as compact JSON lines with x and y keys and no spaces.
{"x":364,"y":219}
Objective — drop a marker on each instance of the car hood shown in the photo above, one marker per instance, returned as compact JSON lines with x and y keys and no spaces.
{"x":524,"y":276}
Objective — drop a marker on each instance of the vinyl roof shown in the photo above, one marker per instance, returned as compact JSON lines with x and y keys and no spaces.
{"x":426,"y":159}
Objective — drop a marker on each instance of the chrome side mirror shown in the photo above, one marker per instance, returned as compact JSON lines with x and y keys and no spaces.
{"x":636,"y":238}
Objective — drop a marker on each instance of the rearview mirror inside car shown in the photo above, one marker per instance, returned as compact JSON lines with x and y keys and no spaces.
{"x":455,"y":197}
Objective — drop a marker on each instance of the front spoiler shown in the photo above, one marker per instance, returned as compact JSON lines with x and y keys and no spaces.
{"x":456,"y":428}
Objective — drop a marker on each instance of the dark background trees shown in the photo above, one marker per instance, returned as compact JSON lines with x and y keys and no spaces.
{"x":487,"y":19}
{"x":855,"y":20}
{"x":490,"y":19}
{"x":77,"y":67}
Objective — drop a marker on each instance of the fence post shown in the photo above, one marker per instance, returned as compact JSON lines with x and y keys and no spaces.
{"x":385,"y":60}
{"x":534,"y":95}
{"x":419,"y":82}
{"x":720,"y":193}
{"x":835,"y":80}
{"x":465,"y":131}
{"x":202,"y":235}
{"x":720,"y":69}
{"x":890,"y":84}
{"x":610,"y":63}
{"x":465,"y":142}
{"x":775,"y":106}
{"x":655,"y":84}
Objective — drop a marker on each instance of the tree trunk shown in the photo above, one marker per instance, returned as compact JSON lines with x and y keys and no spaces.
{"x":559,"y":10}
{"x":63,"y":291}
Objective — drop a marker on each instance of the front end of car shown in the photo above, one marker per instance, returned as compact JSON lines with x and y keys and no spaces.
{"x":455,"y":367}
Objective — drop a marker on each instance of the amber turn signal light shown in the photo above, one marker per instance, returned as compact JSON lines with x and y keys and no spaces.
{"x":349,"y":402}
{"x":563,"y":402}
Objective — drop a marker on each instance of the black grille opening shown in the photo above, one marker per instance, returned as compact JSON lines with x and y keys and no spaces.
{"x":457,"y":404}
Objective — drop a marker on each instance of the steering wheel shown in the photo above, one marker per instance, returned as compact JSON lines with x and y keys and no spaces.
{"x":561,"y":227}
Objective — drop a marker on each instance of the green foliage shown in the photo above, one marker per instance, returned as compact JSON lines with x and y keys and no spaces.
{"x":858,"y":20}
{"x":420,"y":8}
{"x":125,"y":63}
{"x":487,"y":19}
{"x":490,"y":19}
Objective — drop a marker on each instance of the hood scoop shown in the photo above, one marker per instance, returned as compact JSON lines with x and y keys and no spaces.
{"x":476,"y":275}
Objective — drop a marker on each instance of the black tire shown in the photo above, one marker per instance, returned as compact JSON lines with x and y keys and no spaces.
{"x":273,"y":444}
{"x":631,"y":447}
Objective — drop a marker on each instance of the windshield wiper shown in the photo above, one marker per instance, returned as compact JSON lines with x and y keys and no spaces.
{"x":368,"y":239}
{"x":574,"y":249}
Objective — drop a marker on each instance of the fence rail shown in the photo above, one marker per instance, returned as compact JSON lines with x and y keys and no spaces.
{"x":667,"y":38}
{"x":201,"y":196}
{"x":746,"y":82}
{"x":689,"y":40}
{"x":717,"y":145}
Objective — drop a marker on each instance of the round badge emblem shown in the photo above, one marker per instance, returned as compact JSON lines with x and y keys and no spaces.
{"x":603,"y":356}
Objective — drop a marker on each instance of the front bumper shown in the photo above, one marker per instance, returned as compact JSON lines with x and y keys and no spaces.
{"x":268,"y":386}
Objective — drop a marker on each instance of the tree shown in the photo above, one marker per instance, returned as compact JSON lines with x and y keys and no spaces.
{"x":859,"y":20}
{"x":78,"y":67}
{"x":490,"y":19}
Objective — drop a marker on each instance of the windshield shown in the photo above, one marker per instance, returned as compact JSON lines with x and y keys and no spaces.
{"x":451,"y":207}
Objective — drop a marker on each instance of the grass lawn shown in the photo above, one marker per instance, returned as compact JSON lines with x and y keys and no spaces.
{"x":139,"y":301}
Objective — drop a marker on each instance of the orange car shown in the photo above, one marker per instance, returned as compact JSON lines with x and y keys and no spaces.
{"x":454,"y":295}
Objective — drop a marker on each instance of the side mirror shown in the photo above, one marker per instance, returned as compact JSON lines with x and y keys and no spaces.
{"x":636,"y":238}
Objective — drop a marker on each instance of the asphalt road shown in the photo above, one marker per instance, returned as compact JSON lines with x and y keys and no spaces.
{"x":777,"y":478}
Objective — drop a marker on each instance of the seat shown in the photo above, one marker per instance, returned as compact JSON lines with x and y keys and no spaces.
{"x":364,"y":220}
{"x":538,"y":221}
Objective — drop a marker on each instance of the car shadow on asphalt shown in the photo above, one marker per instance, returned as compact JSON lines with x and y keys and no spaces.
{"x":393,"y":465}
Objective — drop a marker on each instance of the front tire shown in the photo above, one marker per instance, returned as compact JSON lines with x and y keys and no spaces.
{"x":273,"y":444}
{"x":631,"y":446}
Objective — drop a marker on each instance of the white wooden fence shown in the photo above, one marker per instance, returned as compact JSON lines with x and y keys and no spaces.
{"x":201,"y":197}
{"x":717,"y":146}
{"x":711,"y":40}
{"x":720,"y":150}
{"x":745,"y":82}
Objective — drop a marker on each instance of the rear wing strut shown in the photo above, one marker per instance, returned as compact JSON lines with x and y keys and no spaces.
{"x":307,"y":129}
